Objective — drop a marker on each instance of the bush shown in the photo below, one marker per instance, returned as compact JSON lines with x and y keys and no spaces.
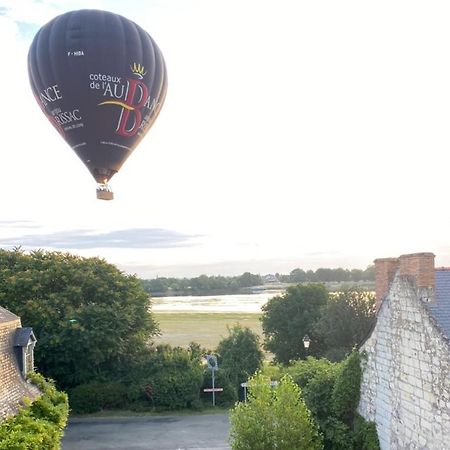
{"x":39,"y":425}
{"x":331,"y":392}
{"x":174,"y":378}
{"x":366,"y":437}
{"x":96,"y":396}
{"x":240,"y":353}
{"x":346,"y":391}
{"x":273,"y":418}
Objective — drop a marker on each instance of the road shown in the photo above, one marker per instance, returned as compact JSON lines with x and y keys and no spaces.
{"x":194,"y":432}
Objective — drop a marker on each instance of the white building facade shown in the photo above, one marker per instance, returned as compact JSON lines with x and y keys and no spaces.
{"x":406,"y":378}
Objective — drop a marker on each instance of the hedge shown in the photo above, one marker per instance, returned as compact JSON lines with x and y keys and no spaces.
{"x":38,"y":425}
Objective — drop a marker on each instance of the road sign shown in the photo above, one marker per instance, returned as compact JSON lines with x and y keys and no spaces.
{"x":213,"y":390}
{"x":211,"y":360}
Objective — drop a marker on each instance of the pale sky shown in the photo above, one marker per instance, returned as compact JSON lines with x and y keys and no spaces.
{"x":294,"y":134}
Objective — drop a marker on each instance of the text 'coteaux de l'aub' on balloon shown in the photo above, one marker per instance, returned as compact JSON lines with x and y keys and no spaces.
{"x":130,"y":94}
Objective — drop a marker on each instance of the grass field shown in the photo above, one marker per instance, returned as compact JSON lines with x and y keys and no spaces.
{"x":207,"y":329}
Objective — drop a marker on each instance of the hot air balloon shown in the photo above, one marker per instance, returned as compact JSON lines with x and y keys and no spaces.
{"x":101,"y":81}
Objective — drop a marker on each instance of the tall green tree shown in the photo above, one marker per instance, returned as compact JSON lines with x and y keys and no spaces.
{"x":88,"y":316}
{"x":273,"y":418}
{"x":297,"y":276}
{"x":289,"y":317}
{"x":240,"y":353}
{"x":345,"y":321}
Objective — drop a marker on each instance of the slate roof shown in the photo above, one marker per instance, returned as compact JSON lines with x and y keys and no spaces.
{"x":441,"y":309}
{"x":6,"y":316}
{"x":22,"y":336}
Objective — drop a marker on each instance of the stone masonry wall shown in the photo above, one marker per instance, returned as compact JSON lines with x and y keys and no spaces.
{"x":13,"y":388}
{"x":406,"y":379}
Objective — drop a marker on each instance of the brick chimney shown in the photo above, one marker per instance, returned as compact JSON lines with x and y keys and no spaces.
{"x":419,"y":266}
{"x":385,"y":269}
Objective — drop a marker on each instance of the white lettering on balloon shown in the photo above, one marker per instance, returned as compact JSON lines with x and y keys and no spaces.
{"x":132,"y":96}
{"x":60,"y":118}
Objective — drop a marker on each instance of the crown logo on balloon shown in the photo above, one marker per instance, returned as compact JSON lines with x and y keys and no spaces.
{"x":138,"y":70}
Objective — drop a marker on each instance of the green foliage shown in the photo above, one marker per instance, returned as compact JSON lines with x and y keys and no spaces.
{"x":174,"y":378}
{"x":273,"y":418}
{"x":87,"y":315}
{"x":219,"y":284}
{"x":240,"y":353}
{"x":337,"y":435}
{"x":201,"y":285}
{"x":323,"y":275}
{"x":316,"y":377}
{"x":366,"y":437}
{"x":96,"y":396}
{"x":288,"y":317}
{"x":345,"y":321}
{"x":346,"y":391}
{"x":331,"y":393}
{"x":38,"y":426}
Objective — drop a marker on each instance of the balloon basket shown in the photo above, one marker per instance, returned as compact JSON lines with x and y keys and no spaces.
{"x":104,"y":192}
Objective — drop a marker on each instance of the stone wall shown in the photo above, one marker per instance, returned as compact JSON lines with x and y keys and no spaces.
{"x":13,"y":388}
{"x":406,"y":379}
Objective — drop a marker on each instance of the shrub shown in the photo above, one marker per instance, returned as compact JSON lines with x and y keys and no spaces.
{"x":331,"y":392}
{"x":39,"y":425}
{"x":366,"y":437}
{"x":273,"y":418}
{"x":240,"y":353}
{"x":174,"y":378}
{"x":346,"y":391}
{"x":95,"y":396}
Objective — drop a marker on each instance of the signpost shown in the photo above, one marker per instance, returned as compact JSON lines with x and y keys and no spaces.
{"x":211,"y":361}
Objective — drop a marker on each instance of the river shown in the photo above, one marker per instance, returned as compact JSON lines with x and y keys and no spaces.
{"x":233,"y":303}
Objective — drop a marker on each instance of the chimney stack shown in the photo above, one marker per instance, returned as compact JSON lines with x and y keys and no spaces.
{"x":385,"y":269}
{"x":420,"y":266}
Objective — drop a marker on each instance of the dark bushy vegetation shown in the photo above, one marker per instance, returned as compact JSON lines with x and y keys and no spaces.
{"x":288,"y":317}
{"x":96,"y":396}
{"x":38,"y":425}
{"x":324,"y":275}
{"x":201,"y":285}
{"x":331,"y":392}
{"x":87,"y":315}
{"x":165,"y":378}
{"x":335,"y":322}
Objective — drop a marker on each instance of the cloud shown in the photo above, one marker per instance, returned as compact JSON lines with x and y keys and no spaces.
{"x":134,"y":238}
{"x":18,"y":224}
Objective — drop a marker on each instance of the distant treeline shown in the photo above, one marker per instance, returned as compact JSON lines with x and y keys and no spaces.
{"x":328,"y":275}
{"x":204,"y":285}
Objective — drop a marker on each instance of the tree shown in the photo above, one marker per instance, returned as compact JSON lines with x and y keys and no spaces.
{"x":248,"y":279}
{"x":287,"y":318}
{"x":273,"y":418}
{"x":345,"y":321}
{"x":297,"y":276}
{"x":88,"y":316}
{"x":240,"y":353}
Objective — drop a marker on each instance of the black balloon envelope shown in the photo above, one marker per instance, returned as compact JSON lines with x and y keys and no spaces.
{"x":101,"y":81}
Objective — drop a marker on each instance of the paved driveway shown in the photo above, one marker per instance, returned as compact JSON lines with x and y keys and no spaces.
{"x":196,"y":432}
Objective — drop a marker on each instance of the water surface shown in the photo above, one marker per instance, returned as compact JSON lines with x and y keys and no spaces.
{"x":249,"y":303}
